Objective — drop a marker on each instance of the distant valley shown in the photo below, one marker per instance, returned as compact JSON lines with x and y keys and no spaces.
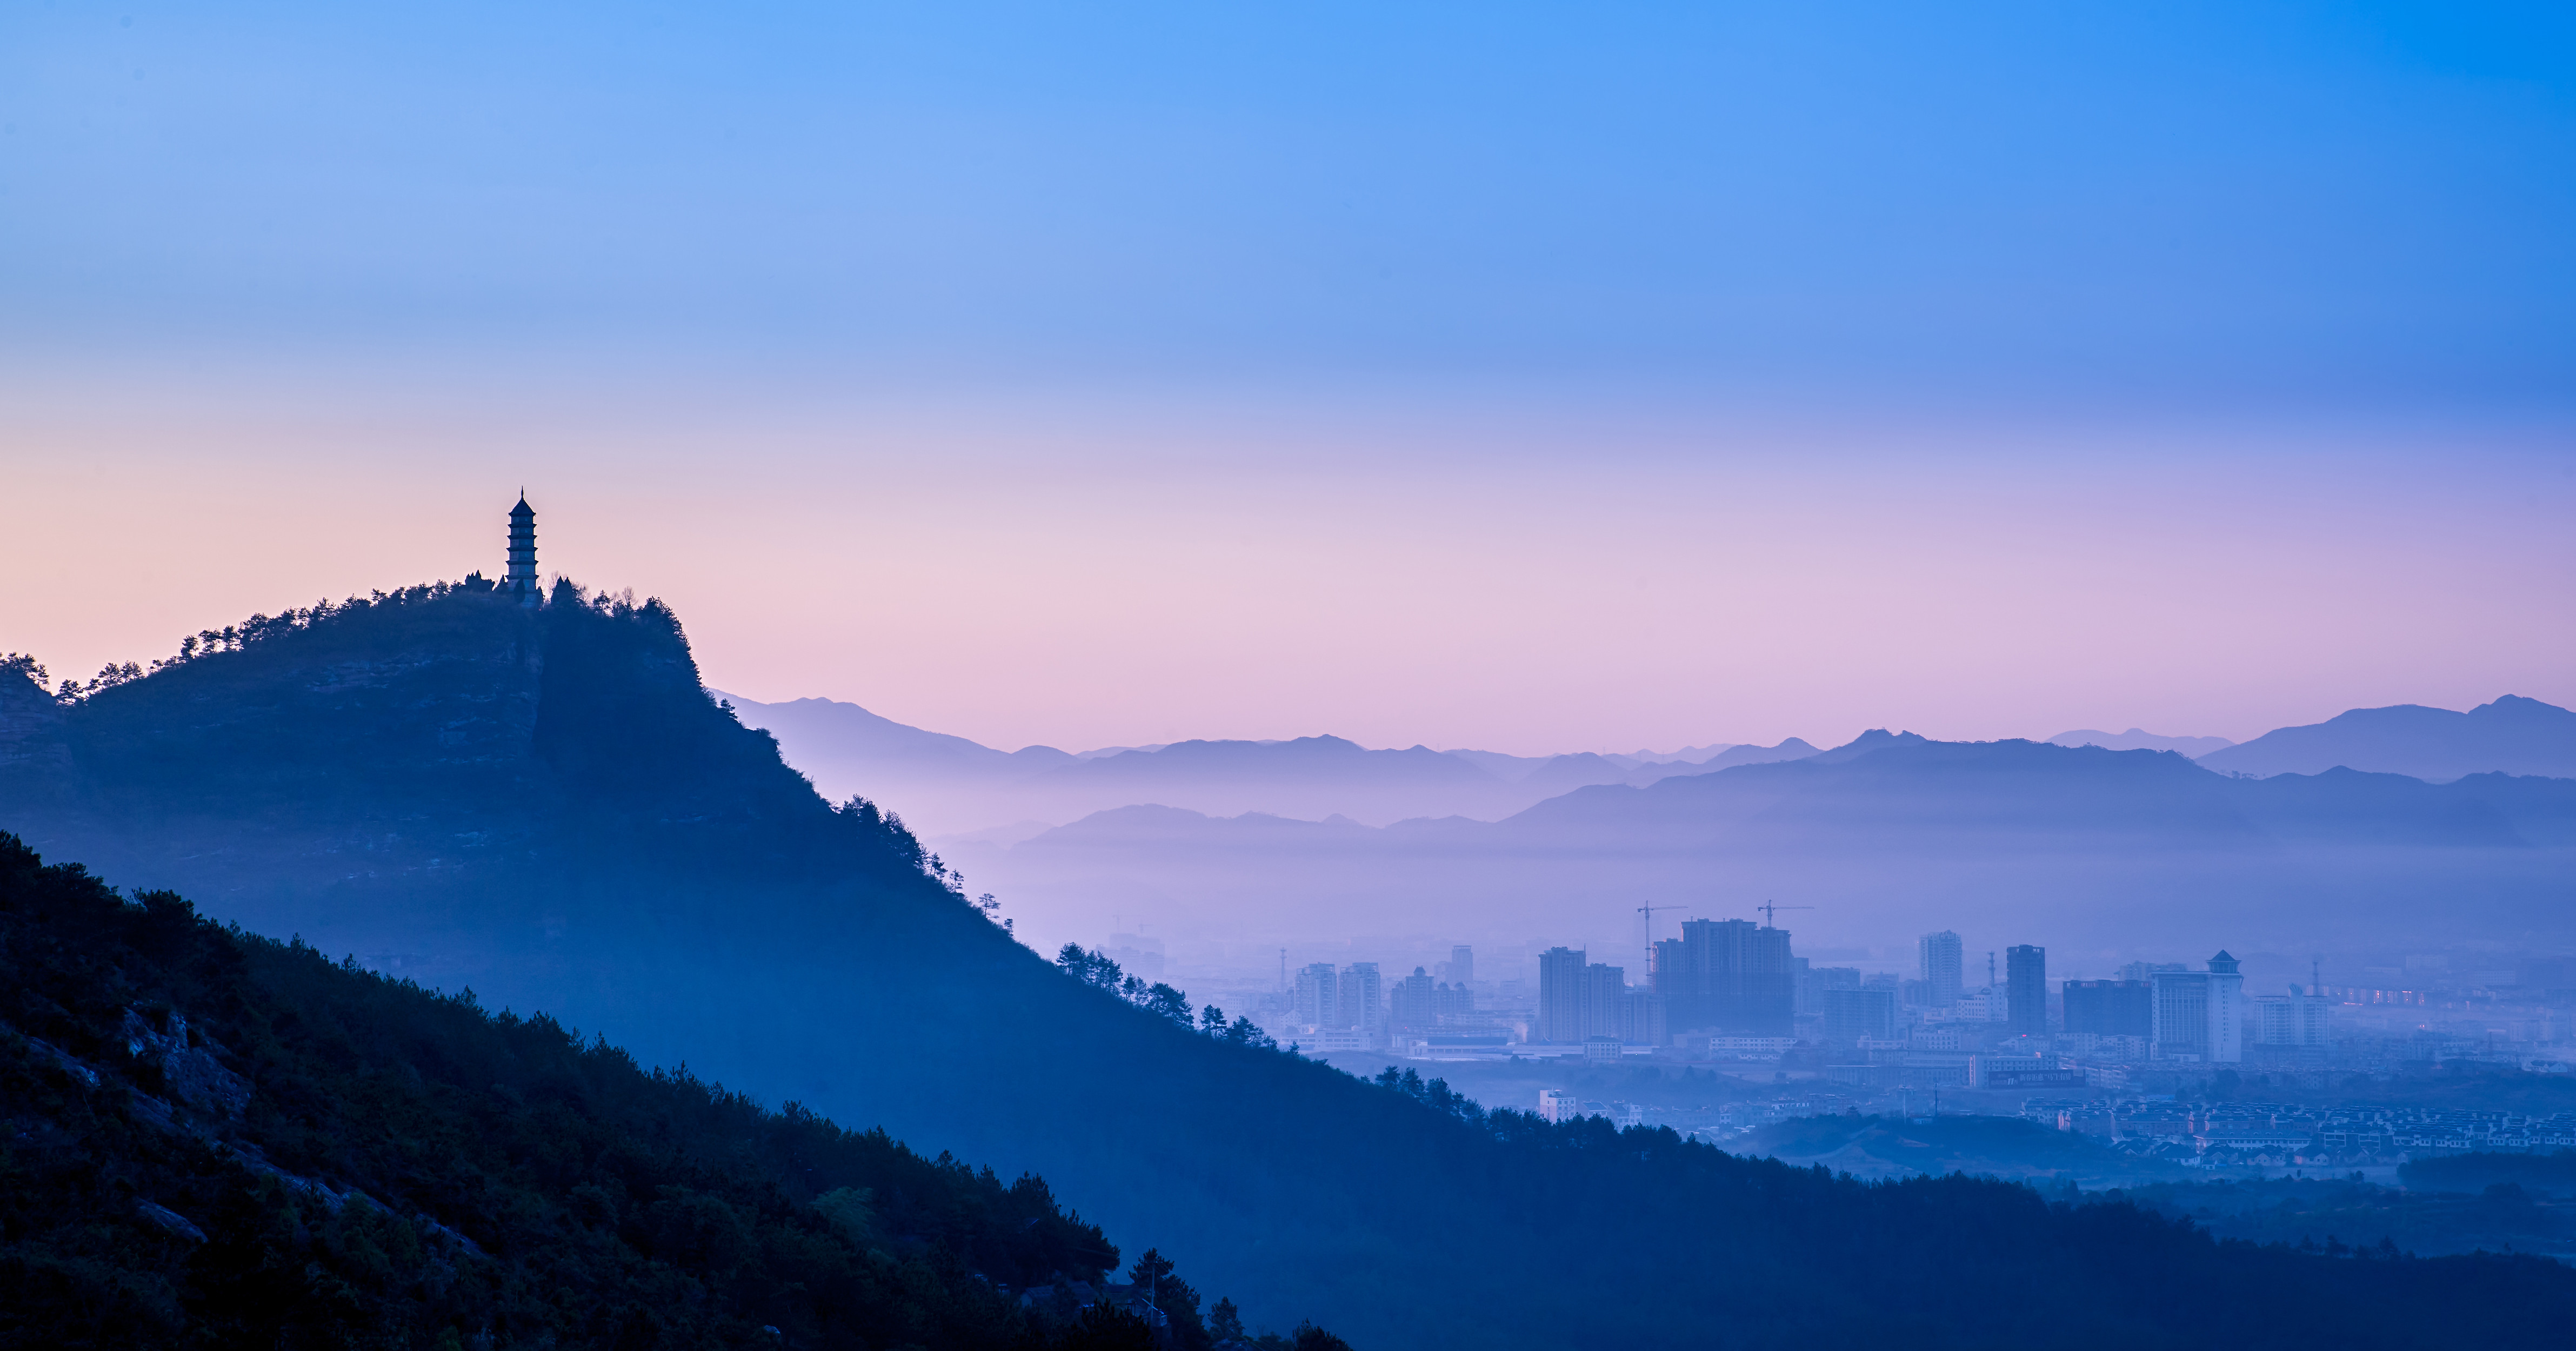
{"x":2090,"y":841}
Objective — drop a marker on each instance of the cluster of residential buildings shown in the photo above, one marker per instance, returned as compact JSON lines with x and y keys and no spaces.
{"x":1354,"y":1008}
{"x":2284,"y":1135}
{"x":1732,"y":990}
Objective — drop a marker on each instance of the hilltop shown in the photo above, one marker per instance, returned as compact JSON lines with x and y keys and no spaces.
{"x":544,"y":804}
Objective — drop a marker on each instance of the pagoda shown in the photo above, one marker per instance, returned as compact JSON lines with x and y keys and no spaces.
{"x":521,"y":580}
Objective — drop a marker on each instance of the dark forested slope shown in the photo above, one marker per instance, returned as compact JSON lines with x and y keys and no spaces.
{"x":212,"y":1139}
{"x":543,"y":804}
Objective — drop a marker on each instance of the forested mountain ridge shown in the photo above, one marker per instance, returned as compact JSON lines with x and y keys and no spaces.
{"x":213,"y":1139}
{"x":546,"y":806}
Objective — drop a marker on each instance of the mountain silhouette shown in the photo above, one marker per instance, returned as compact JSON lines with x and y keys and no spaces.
{"x":1792,"y":748}
{"x":2513,"y":735}
{"x":1888,"y":833}
{"x":544,"y":804}
{"x":831,"y":730}
{"x":2140,"y":739}
{"x":956,"y":788}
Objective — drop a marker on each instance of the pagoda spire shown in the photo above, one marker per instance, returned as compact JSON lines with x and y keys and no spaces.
{"x":521,"y":580}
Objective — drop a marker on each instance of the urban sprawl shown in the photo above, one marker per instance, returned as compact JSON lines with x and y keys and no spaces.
{"x":2160,"y":1059}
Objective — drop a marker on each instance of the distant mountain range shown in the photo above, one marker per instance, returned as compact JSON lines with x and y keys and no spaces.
{"x":958,"y":790}
{"x":2513,"y":735}
{"x":951,"y":786}
{"x":1889,"y":834}
{"x":2139,"y":739}
{"x":542,"y":803}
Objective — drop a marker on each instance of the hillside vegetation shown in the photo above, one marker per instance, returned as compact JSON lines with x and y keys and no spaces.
{"x":545,"y":805}
{"x":215,"y":1139}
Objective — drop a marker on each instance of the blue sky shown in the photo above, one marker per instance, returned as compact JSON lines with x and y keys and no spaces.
{"x":1538,"y":378}
{"x":2301,"y":206}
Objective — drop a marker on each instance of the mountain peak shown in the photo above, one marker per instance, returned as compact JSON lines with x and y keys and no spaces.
{"x":1870,"y":742}
{"x":2511,"y":735}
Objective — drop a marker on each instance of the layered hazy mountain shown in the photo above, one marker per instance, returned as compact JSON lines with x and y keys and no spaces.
{"x":2081,"y":849}
{"x":950,"y":786}
{"x":2513,"y":735}
{"x":543,"y":804}
{"x":2306,"y":838}
{"x":2139,"y":739}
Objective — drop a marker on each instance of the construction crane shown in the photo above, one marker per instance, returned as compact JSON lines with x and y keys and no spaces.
{"x":1768,"y":910}
{"x":1646,"y":922}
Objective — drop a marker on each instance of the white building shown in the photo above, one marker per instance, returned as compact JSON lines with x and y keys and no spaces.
{"x":2293,"y":1019}
{"x":2199,"y":1015}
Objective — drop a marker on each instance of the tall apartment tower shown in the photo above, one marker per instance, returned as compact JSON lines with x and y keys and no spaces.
{"x":1410,"y":1002}
{"x":1318,"y":995}
{"x":1856,"y":1014}
{"x":1363,"y":998}
{"x":2026,"y":989}
{"x":2226,"y":1010}
{"x":1560,"y":994}
{"x":1727,"y":975}
{"x":1604,"y":989}
{"x":1462,"y":965}
{"x":1943,"y":980}
{"x":521,"y":579}
{"x":2199,"y":1015}
{"x":2294,"y":1019}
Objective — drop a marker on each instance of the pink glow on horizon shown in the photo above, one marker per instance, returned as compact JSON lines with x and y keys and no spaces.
{"x":1534,"y":586}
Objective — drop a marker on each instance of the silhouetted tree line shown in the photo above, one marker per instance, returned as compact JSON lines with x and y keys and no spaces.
{"x":234,"y":637}
{"x":1098,"y":971}
{"x":213,"y":1139}
{"x":579,"y":738}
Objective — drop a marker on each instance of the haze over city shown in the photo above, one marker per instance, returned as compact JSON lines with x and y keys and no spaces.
{"x":1183,"y":678}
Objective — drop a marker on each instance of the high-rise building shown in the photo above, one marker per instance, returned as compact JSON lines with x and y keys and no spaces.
{"x":1460,"y":969}
{"x":1729,"y":976}
{"x":1603,"y":988}
{"x":1560,"y":994}
{"x":1641,"y":1017}
{"x":2197,"y":1015}
{"x":2026,"y":989}
{"x":1452,"y":1001}
{"x":1361,"y":1001}
{"x":1318,"y":1001}
{"x":1412,"y":1003}
{"x":2226,"y":1010}
{"x":1857,"y":1013}
{"x":2181,"y":1015}
{"x":1815,"y":980}
{"x":2111,"y":1008}
{"x":1943,"y":980}
{"x":2293,"y":1019}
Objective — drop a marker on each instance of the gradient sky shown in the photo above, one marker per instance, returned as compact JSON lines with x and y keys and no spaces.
{"x":1526,"y":377}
